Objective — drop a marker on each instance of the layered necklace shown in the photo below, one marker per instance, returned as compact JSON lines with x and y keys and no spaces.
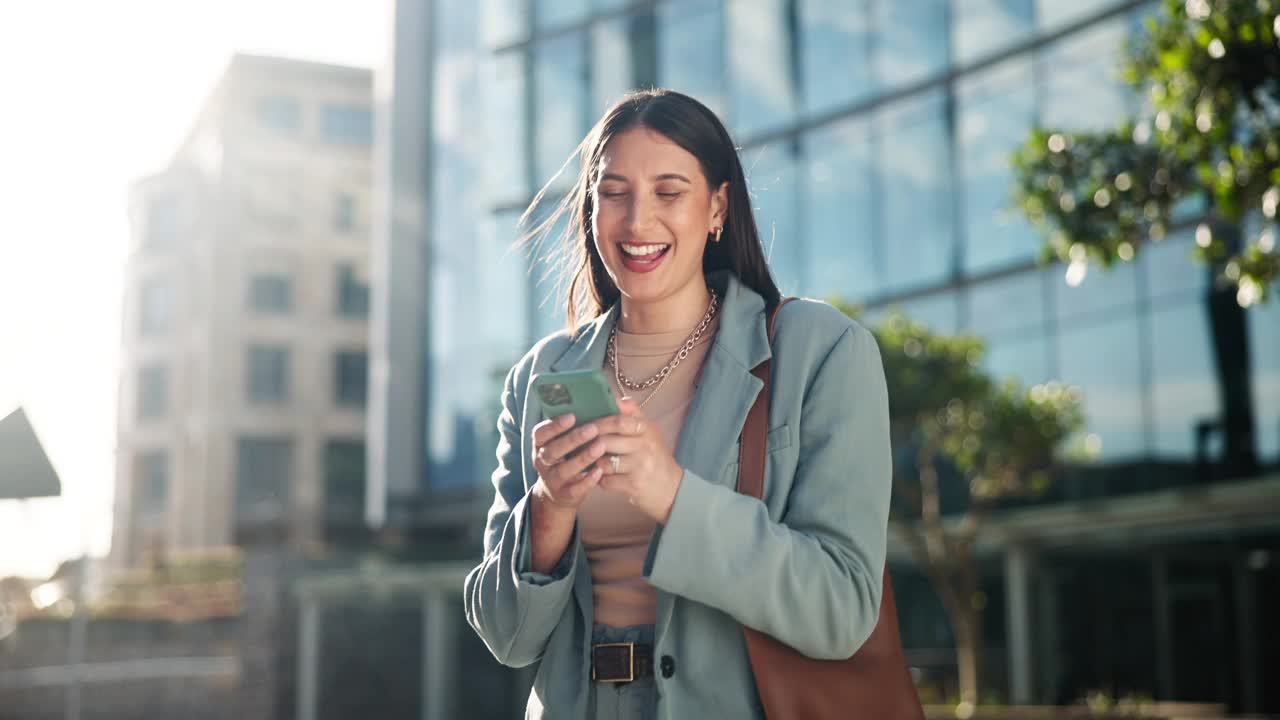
{"x":660,"y":378}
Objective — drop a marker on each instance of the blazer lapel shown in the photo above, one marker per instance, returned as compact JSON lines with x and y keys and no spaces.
{"x":589,"y":347}
{"x":726,"y":390}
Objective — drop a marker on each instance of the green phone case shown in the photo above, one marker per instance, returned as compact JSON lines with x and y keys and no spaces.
{"x":585,"y":393}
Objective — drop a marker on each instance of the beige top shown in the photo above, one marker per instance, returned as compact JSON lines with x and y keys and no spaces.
{"x":615,"y":535}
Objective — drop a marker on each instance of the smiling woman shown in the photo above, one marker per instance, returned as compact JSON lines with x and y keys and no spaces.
{"x":657,"y":170}
{"x":618,"y":552}
{"x":642,"y":209}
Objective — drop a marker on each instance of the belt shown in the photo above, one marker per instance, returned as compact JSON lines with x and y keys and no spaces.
{"x":621,"y":662}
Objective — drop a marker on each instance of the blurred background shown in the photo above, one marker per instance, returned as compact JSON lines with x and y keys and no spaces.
{"x":258,"y":294}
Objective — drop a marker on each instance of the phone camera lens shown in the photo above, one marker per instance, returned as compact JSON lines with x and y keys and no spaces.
{"x":555,"y":394}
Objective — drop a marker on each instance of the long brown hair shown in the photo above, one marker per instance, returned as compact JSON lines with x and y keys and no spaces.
{"x":689,"y":124}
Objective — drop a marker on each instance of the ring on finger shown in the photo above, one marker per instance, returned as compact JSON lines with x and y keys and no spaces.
{"x":614,"y":463}
{"x":542,"y":455}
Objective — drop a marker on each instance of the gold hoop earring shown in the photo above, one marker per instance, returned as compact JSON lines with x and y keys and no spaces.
{"x":718,"y":231}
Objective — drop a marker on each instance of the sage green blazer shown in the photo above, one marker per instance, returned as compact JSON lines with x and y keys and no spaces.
{"x":803,"y":566}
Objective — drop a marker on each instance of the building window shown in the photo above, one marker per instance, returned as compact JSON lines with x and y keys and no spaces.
{"x":353,"y":294}
{"x":555,"y":13}
{"x":162,"y":221}
{"x":1051,"y":14}
{"x":270,"y":293}
{"x":351,"y":372}
{"x":996,"y":109}
{"x":624,"y":57}
{"x":918,"y":230}
{"x":344,"y":213}
{"x":503,"y":21}
{"x":504,"y":289}
{"x":268,"y":375}
{"x":280,"y":114}
{"x":842,"y":258}
{"x":151,"y":485}
{"x":153,"y":392}
{"x":560,"y":91}
{"x":760,"y":67}
{"x":1103,"y":292}
{"x":835,"y":34}
{"x":1009,"y":315}
{"x":506,"y":164}
{"x":1169,"y":273}
{"x":912,"y":40}
{"x":1098,"y":350}
{"x":264,"y":476}
{"x":1010,"y":304}
{"x":940,"y":311}
{"x":983,"y":27}
{"x":346,"y":124}
{"x":1184,"y":390}
{"x":691,"y":51}
{"x":1102,"y":359}
{"x":344,"y":484}
{"x":1083,"y":90}
{"x":1264,"y":345}
{"x":155,"y":314}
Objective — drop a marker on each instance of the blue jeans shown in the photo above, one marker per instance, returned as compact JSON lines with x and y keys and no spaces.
{"x":636,"y":700}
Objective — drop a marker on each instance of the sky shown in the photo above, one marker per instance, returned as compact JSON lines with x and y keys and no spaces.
{"x":97,"y":95}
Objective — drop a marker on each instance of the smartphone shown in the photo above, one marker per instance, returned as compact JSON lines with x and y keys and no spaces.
{"x":585,"y":393}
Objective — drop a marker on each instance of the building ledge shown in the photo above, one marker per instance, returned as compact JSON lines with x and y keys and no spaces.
{"x":376,"y":578}
{"x":1185,"y":513}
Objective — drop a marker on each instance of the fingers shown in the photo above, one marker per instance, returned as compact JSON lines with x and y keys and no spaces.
{"x":561,"y":447}
{"x":569,"y":493}
{"x":621,"y":445}
{"x":628,"y":425}
{"x":575,"y":490}
{"x":626,"y":466}
{"x":581,"y":461}
{"x":628,"y":406}
{"x":630,"y":452}
{"x":569,"y":470}
{"x":570,"y":461}
{"x":547,"y":430}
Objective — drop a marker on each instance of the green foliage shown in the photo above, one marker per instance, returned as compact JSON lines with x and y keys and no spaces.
{"x":1001,"y":436}
{"x":925,"y":371}
{"x":1210,"y":70}
{"x":1097,"y":194}
{"x":1005,"y":443}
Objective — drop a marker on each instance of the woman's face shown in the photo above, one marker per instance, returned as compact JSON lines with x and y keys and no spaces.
{"x":653,"y":211}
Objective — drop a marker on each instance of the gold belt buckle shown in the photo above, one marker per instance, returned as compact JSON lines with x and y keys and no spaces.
{"x":631,"y":661}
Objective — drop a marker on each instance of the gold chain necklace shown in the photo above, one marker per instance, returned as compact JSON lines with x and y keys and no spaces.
{"x":663,"y":374}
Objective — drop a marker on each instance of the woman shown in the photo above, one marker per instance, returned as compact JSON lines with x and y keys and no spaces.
{"x":620,"y":554}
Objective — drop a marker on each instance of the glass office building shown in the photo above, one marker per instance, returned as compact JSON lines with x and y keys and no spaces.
{"x":876,"y":136}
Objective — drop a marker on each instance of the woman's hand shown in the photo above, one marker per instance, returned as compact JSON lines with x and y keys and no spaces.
{"x":564,"y":459}
{"x":648,"y":474}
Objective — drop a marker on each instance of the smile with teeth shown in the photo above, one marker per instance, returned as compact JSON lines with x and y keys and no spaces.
{"x":644,"y":253}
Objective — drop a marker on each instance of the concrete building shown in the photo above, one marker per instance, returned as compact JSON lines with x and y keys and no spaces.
{"x":244,"y":344}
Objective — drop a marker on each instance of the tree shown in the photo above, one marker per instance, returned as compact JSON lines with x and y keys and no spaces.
{"x":1211,"y":138}
{"x":989,"y":441}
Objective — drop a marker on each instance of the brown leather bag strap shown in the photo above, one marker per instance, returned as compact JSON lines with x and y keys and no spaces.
{"x":755,"y":431}
{"x":874,"y":682}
